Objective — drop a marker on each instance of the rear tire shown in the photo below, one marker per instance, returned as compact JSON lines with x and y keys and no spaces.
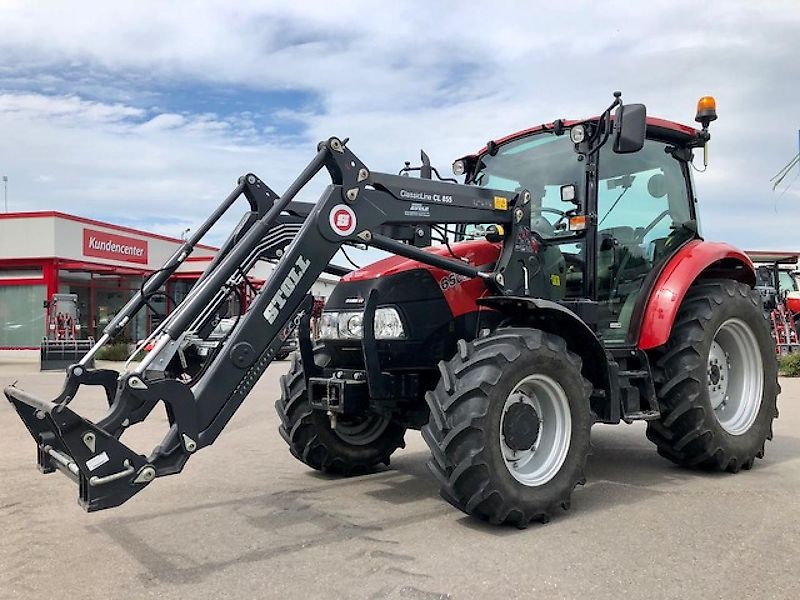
{"x":716,"y":380}
{"x":490,"y":404}
{"x":355,"y":448}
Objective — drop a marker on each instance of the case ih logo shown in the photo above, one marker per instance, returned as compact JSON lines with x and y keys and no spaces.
{"x":116,"y":247}
{"x":342,"y":220}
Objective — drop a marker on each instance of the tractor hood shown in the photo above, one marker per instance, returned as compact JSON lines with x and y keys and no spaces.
{"x":475,"y":252}
{"x":437,"y":307}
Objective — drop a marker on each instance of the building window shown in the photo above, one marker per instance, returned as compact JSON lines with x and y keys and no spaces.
{"x":21,"y":315}
{"x":24,"y":273}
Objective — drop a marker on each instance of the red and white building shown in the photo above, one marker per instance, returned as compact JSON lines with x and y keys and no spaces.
{"x":43,"y":253}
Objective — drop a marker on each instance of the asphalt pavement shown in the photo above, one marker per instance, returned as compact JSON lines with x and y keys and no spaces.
{"x":246,"y":520}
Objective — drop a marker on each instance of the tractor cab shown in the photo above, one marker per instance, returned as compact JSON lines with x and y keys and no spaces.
{"x":606,"y":221}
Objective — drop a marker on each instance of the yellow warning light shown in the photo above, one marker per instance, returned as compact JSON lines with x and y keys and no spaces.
{"x":706,"y":110}
{"x":706,"y":103}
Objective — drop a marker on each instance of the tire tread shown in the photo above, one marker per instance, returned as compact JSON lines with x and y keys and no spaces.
{"x":682,"y":435}
{"x":455,"y":435}
{"x":299,"y":428}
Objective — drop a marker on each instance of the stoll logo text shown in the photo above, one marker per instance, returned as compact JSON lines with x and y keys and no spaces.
{"x":287,"y":287}
{"x":102,"y":244}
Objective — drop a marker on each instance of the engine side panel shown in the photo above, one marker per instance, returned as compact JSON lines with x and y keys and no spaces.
{"x":459,"y":292}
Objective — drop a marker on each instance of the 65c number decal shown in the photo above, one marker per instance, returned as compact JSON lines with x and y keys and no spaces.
{"x":451,"y":280}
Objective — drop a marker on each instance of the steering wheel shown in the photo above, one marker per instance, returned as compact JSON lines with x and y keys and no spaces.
{"x":637,"y":240}
{"x":651,"y":225}
{"x":540,"y":221}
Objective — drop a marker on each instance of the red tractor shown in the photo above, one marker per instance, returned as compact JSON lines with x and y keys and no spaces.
{"x":571,"y":286}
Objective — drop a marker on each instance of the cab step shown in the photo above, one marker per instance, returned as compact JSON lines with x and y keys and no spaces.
{"x":642,"y":415}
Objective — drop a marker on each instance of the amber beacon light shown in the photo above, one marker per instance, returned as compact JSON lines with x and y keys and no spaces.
{"x":706,"y":111}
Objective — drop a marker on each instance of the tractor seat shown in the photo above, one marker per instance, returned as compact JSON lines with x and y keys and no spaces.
{"x":619,"y":247}
{"x":624,"y":236}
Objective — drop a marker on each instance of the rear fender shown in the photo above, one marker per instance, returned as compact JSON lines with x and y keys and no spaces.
{"x":695,"y":261}
{"x":561,"y":321}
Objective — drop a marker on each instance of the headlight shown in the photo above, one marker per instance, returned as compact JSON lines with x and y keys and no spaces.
{"x":341,"y":326}
{"x":577,"y":134}
{"x":459,"y":168}
{"x":350,"y":325}
{"x":388,"y":325}
{"x":329,"y":326}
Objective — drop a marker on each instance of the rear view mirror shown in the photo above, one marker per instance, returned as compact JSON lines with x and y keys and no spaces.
{"x":630,"y":126}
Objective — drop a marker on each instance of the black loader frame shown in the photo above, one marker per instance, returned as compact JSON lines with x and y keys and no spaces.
{"x":388,"y":212}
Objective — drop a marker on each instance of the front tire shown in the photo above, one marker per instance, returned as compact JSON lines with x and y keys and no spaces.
{"x":355,"y":447}
{"x":716,"y":380}
{"x":510,"y":426}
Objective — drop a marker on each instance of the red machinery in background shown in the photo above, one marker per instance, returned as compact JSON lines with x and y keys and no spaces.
{"x":784,"y":330}
{"x":61,"y":345}
{"x":779,"y":291}
{"x":793,"y":302}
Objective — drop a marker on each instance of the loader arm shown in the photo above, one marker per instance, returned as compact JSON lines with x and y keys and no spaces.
{"x":358,"y":207}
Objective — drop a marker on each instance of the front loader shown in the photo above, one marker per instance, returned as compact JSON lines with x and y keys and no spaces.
{"x":571,"y":285}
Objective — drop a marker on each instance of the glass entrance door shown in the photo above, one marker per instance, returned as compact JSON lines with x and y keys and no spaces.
{"x":643,"y":205}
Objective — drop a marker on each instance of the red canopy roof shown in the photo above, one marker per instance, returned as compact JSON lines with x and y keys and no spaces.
{"x":671,"y":127}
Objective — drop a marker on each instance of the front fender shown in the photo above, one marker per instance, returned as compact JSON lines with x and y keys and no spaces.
{"x":559,"y":320}
{"x":696,"y":260}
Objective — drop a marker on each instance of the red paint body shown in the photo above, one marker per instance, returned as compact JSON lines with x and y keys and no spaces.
{"x":793,"y":302}
{"x":675,"y":280}
{"x":662,"y":306}
{"x":460,"y":297}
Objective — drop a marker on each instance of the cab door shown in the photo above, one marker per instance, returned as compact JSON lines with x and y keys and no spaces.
{"x":644,"y":215}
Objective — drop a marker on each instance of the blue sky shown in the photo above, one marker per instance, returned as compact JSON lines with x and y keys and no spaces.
{"x":145,"y":113}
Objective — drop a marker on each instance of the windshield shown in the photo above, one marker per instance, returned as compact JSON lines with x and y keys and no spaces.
{"x":541,"y":163}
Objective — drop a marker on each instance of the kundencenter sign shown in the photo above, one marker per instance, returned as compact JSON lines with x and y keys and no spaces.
{"x":101,"y":244}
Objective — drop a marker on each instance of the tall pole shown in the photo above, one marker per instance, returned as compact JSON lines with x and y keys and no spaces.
{"x":5,"y":192}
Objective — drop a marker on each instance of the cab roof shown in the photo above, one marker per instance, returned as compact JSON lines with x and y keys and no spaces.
{"x":774,"y":256}
{"x":656,"y":128}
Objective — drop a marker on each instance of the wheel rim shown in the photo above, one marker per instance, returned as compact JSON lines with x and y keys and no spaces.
{"x":735,"y":376}
{"x":542,"y":461}
{"x":360,"y":431}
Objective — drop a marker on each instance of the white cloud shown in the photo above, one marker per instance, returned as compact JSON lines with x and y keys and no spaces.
{"x":163,"y":122}
{"x":65,"y":109}
{"x":393,"y":77}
